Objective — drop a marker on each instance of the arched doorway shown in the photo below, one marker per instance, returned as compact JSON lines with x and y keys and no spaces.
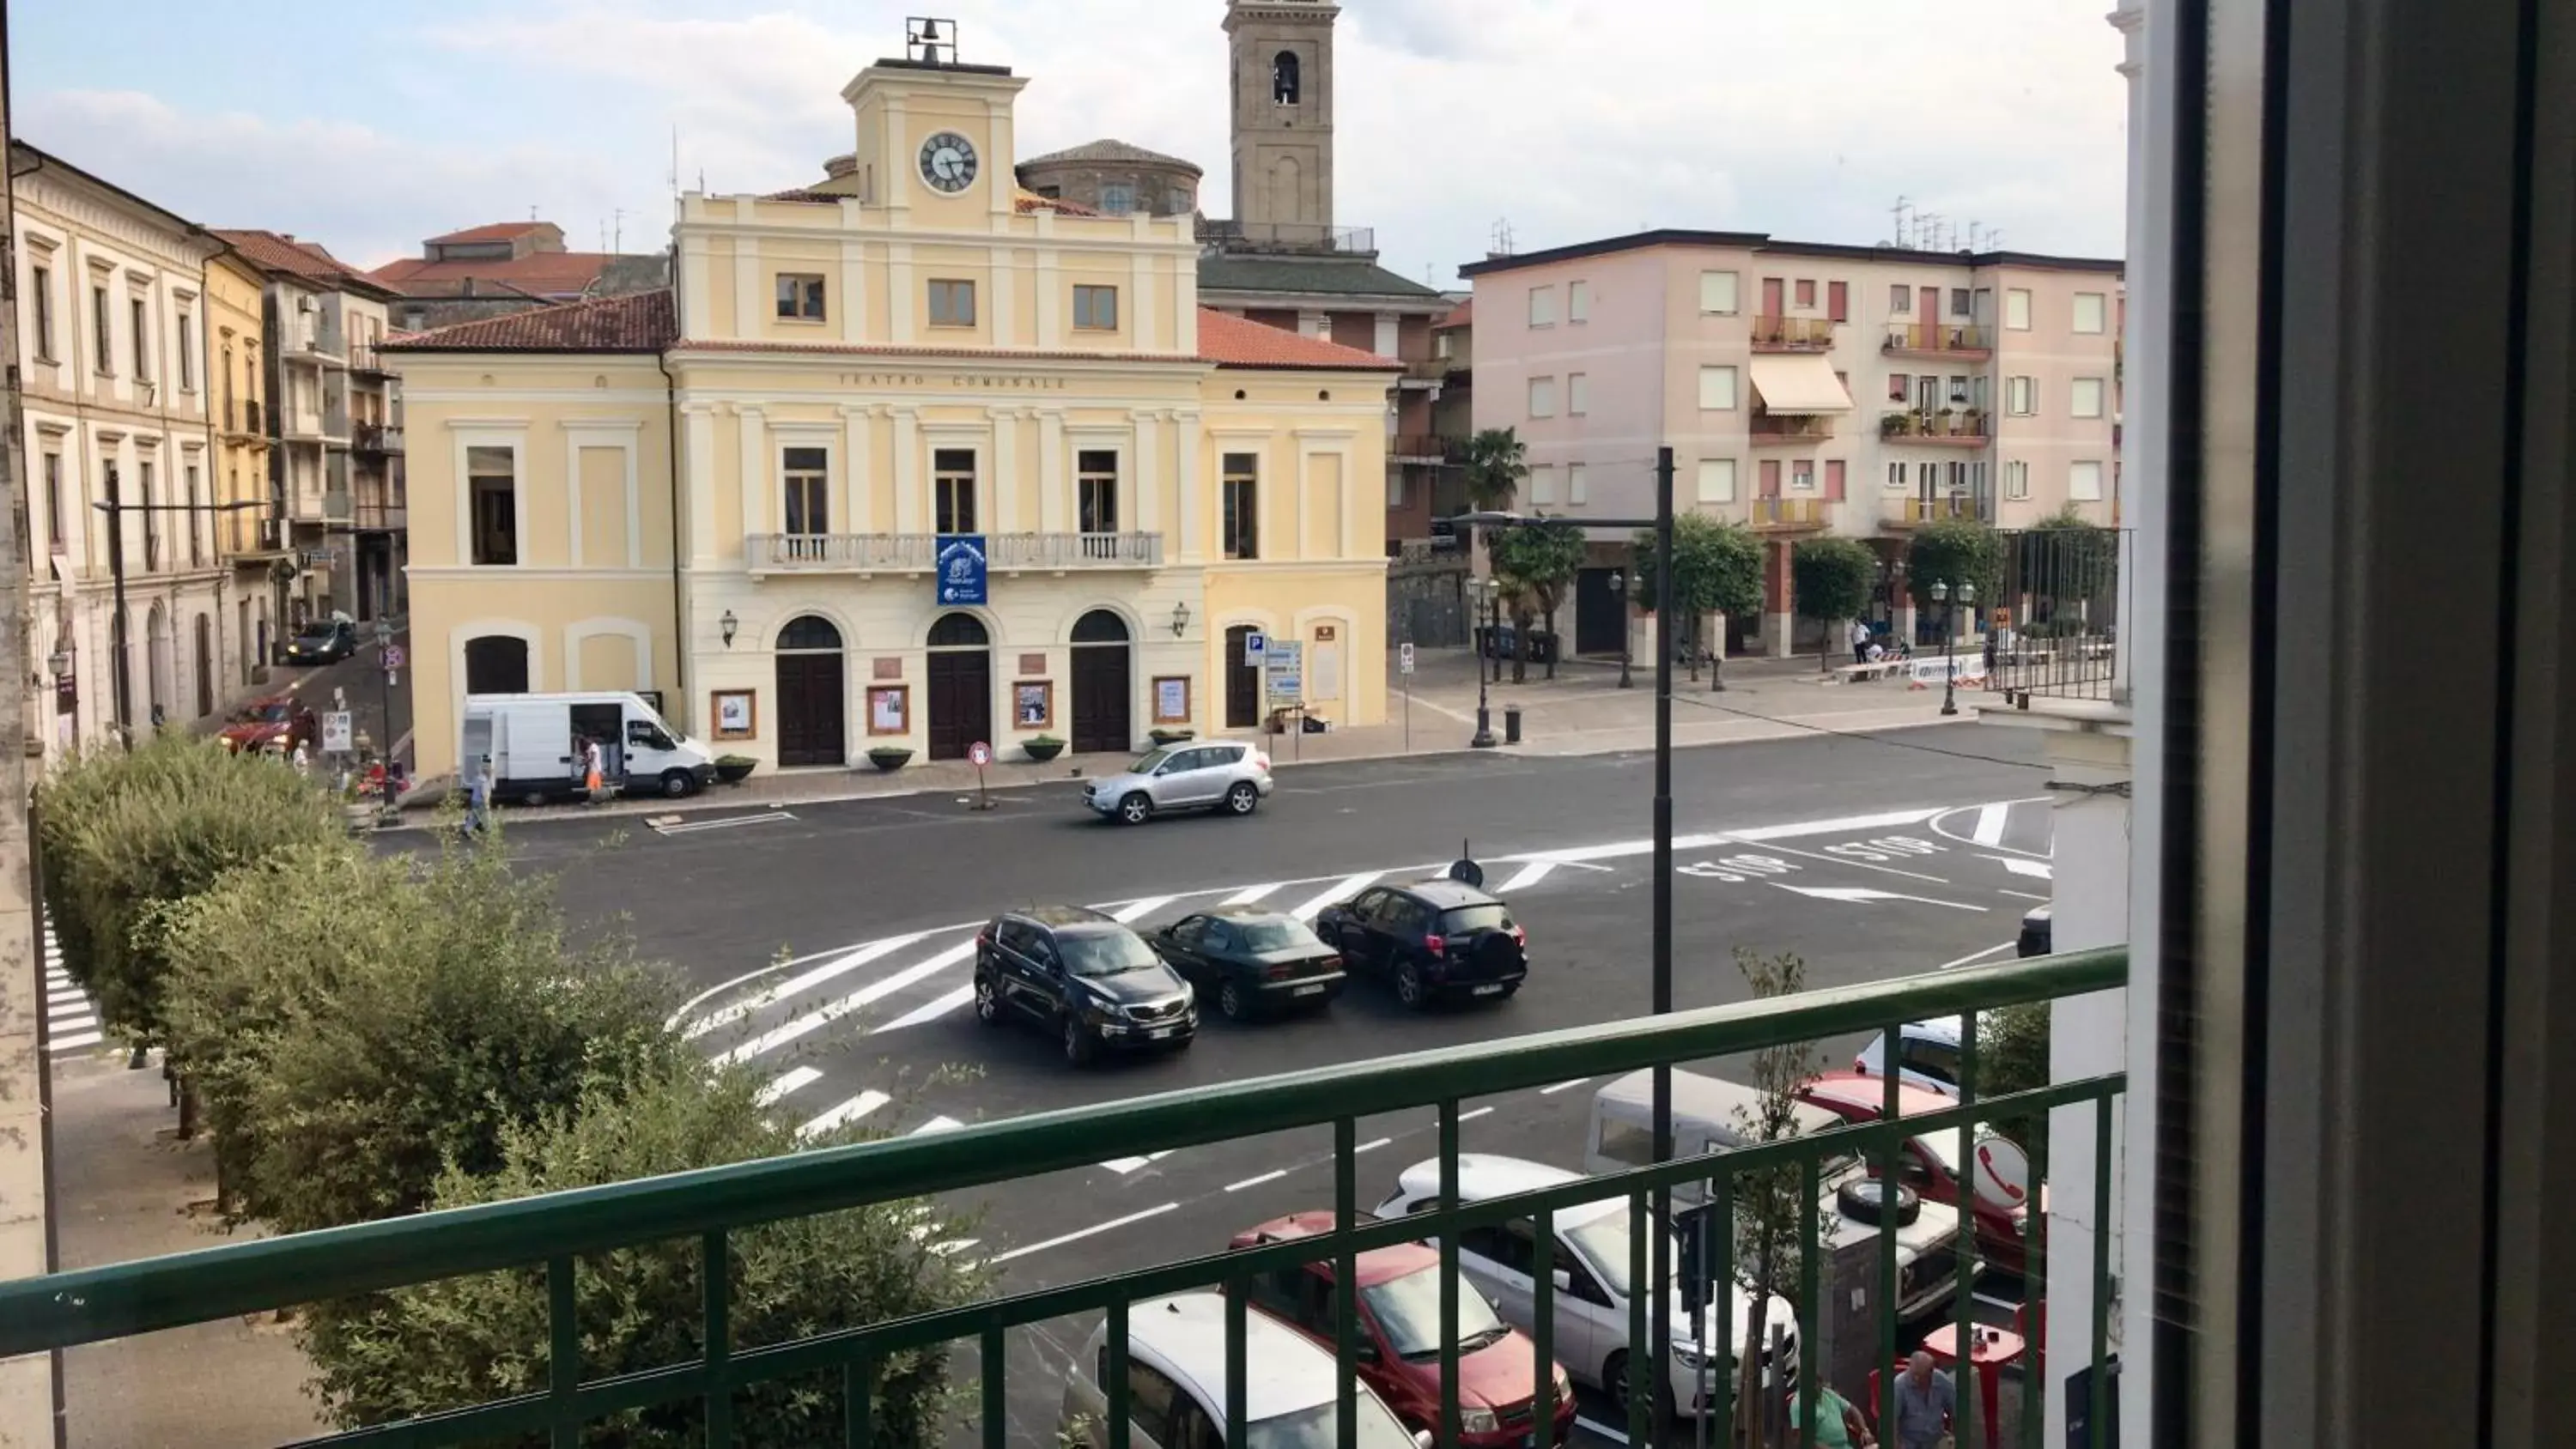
{"x":1103,"y":683}
{"x":496,"y":664}
{"x":205,"y":666}
{"x":1242,"y":681}
{"x":812,"y":727}
{"x":961,"y":685}
{"x":156,"y":665}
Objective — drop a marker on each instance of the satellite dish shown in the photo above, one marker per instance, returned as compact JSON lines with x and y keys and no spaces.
{"x":1467,"y":873}
{"x":2002,"y":1173}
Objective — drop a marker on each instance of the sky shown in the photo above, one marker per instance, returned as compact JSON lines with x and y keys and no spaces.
{"x":1458,"y":123}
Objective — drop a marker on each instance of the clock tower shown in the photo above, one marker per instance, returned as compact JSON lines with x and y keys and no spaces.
{"x":1282,"y":54}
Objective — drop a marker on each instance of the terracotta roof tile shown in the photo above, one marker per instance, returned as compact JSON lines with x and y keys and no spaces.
{"x":1028,"y":201}
{"x":272,"y":252}
{"x":491,"y":232}
{"x":1111,"y":151}
{"x":1462,"y":315}
{"x":634,"y":322}
{"x":538,"y":274}
{"x":1230,"y":341}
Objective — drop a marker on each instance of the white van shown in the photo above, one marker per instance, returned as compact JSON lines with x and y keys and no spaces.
{"x":529,"y":739}
{"x":1706,"y":1120}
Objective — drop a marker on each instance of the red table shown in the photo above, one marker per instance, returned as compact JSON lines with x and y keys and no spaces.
{"x":1992,"y":1349}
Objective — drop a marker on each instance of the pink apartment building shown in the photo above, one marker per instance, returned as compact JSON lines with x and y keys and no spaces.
{"x":1805,"y":388}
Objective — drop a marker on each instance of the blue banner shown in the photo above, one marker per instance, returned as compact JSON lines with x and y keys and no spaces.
{"x":961,"y":568}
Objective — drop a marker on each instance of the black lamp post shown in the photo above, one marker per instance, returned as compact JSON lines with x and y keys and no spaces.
{"x":1949,"y":669}
{"x":1483,"y":589}
{"x":1619,"y":589}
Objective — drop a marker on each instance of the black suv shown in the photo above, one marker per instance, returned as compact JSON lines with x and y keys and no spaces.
{"x":1431,"y":939}
{"x":1086,"y":977}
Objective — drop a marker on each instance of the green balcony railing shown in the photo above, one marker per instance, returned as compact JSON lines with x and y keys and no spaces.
{"x":550,"y":1233}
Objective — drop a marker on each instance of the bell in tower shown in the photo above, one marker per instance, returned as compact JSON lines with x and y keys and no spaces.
{"x":1282,"y":54}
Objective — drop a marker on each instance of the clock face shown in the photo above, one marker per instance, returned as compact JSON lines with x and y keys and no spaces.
{"x":948,"y":162}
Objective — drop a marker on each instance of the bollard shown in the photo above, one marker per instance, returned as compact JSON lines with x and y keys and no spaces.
{"x":1511,"y":724}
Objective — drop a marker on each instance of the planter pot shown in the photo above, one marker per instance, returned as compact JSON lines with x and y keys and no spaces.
{"x":1170,"y":737}
{"x":360,"y":815}
{"x":888,"y":757}
{"x":736,"y":774}
{"x":1043,"y":750}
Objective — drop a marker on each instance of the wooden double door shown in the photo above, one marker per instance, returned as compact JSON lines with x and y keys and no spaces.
{"x":961,"y":701}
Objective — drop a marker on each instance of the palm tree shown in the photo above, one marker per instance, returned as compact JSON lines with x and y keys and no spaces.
{"x":1495,"y":462}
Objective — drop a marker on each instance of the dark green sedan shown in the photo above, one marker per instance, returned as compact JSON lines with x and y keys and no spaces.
{"x":1253,"y":962}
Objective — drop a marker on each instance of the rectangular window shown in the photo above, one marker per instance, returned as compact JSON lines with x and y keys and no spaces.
{"x":1717,"y":480}
{"x":1802,"y":475}
{"x":196,"y":534}
{"x":2088,"y":312}
{"x":800,"y":297}
{"x":140,"y":314}
{"x":2021,"y":396}
{"x":1926,"y":476}
{"x":1806,"y":291}
{"x":807,"y":474}
{"x":104,"y":329}
{"x":1716,"y":388}
{"x":1542,"y":397}
{"x":1578,"y":489}
{"x":1578,"y":301}
{"x":1900,"y":298}
{"x":42,"y":280}
{"x":1117,"y":198}
{"x":1833,"y":480}
{"x":1542,"y":306}
{"x":1542,"y":484}
{"x":54,"y":501}
{"x":1838,"y":301}
{"x":1959,"y":302}
{"x":1717,"y":292}
{"x":1896,"y":477}
{"x":1898,"y":386}
{"x":952,"y":304}
{"x":1242,"y":505}
{"x":2017,"y":309}
{"x":2084,"y":481}
{"x":1096,"y":308}
{"x":1096,"y":490}
{"x":1983,"y":310}
{"x":1578,"y":393}
{"x":952,"y":483}
{"x":492,"y":482}
{"x":151,"y":520}
{"x":2084,"y":399}
{"x":1958,"y":389}
{"x":187,"y":353}
{"x":2016,"y":480}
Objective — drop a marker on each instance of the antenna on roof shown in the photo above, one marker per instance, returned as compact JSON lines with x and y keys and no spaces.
{"x":532,"y":213}
{"x":1898,"y":211}
{"x":675,"y":160}
{"x":617,"y":231}
{"x":1502,"y":238}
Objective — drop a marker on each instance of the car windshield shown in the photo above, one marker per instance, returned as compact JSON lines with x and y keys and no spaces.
{"x":1145,"y":763}
{"x":1459,"y":920}
{"x":318,"y":631}
{"x":1104,"y":953}
{"x":1408,"y":1309}
{"x":264,"y":714}
{"x":1318,"y":1428}
{"x":1945,"y":1146}
{"x":1276,"y":933}
{"x":1603,"y":1242}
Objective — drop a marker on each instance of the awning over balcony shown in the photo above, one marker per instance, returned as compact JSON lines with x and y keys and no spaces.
{"x":1799,"y":383}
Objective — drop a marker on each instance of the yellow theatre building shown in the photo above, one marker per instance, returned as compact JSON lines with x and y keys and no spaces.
{"x":908,"y":457}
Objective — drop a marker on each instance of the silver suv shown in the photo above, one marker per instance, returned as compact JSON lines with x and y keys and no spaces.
{"x":1226,"y":775}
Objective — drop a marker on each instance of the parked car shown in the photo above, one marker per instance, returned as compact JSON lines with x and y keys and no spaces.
{"x":323,"y":641}
{"x":1398,"y":1316}
{"x":1927,"y":1055}
{"x":1430,"y":939}
{"x":2035,"y":932}
{"x":1255,"y":962}
{"x":1084,"y":976}
{"x":262,"y":723}
{"x":1590,"y":1258}
{"x":1227,"y":775}
{"x":1931,"y":1163}
{"x":1176,"y":1383}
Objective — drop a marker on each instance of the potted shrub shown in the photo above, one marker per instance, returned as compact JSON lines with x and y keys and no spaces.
{"x":734,"y":769}
{"x":1043,"y":748}
{"x":1170,"y":735}
{"x":889,"y":757}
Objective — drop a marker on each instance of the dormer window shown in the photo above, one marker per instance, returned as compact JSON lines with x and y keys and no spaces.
{"x":1283,"y":78}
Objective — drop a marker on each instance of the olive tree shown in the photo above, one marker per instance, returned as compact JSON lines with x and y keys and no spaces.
{"x":1536,"y":562}
{"x":1717,"y":569}
{"x":1831,"y":577}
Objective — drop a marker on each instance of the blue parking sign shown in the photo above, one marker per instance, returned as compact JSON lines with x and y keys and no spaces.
{"x":1254,"y":647}
{"x":961,"y":568}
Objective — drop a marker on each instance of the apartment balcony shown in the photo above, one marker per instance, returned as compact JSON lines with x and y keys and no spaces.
{"x":366,"y":362}
{"x":1427,"y":372}
{"x":1793,"y":334}
{"x":1836,"y":1315}
{"x":378,"y":438}
{"x":1956,"y":427}
{"x":368,"y":517}
{"x":1787,"y":515}
{"x":1427,"y":449}
{"x":1780,"y":430}
{"x":1291,"y":236}
{"x":300,"y":425}
{"x":1911,"y":513}
{"x":1964,"y":341}
{"x":311,"y":346}
{"x":244,"y":422}
{"x":918,"y":553}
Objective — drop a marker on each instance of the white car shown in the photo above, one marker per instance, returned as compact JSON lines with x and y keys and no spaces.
{"x":1927,"y":1055}
{"x":1176,"y":1384}
{"x":1226,"y":775}
{"x":1591,"y":1260}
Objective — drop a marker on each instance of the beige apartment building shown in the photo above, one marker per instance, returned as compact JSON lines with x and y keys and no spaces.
{"x":1806,"y":388}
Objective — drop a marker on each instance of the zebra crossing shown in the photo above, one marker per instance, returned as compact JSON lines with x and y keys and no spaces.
{"x":71,"y":1018}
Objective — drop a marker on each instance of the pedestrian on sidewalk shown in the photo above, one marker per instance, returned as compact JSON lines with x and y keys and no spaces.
{"x":478,"y":796}
{"x":1925,"y":1402}
{"x":594,"y":777}
{"x":1838,"y":1424}
{"x":1859,"y":642}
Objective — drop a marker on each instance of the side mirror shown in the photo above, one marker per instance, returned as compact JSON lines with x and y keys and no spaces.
{"x":1564,"y":1280}
{"x":1495,"y":1304}
{"x":1364,"y":1351}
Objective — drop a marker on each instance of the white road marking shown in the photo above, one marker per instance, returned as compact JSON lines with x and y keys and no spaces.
{"x":1249,"y":894}
{"x":1847,"y":825}
{"x":1990,"y":824}
{"x":1854,"y":864}
{"x":935,"y":1125}
{"x":1133,"y":909}
{"x":1615,"y":1436}
{"x":1563,"y":1087}
{"x":929,"y":1011}
{"x":787,"y":1082}
{"x":726,"y":823}
{"x":800,"y":983}
{"x":71,"y":1043}
{"x":1472,"y":1116}
{"x":1859,"y":894}
{"x":849,"y":1111}
{"x":1371,"y":1146}
{"x":2027,"y":896}
{"x":1348,"y":885}
{"x":1528,"y":875}
{"x":57,"y":998}
{"x":953,"y":1245}
{"x":1975,"y":956}
{"x":1130,"y":1164}
{"x":2018,"y":866}
{"x":81,"y":1022}
{"x":1256,"y":1181}
{"x":779,"y":1036}
{"x":1074,"y":1237}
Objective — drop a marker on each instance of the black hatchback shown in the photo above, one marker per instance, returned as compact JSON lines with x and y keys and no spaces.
{"x":1084,"y":976}
{"x":1257,"y":962}
{"x":1431,"y":939}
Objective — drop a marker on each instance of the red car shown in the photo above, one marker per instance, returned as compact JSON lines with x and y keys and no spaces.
{"x":1931,"y":1161}
{"x":1399,"y":1337}
{"x":259,"y":724}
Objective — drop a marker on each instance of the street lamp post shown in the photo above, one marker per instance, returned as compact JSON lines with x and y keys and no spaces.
{"x":1619,"y":589}
{"x":1484,"y":736}
{"x":1941,"y":592}
{"x":115,"y":507}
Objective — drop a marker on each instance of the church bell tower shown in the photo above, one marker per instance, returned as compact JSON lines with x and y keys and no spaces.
{"x":1282,"y":53}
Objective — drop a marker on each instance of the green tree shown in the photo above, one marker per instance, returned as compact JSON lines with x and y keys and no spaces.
{"x":1775,"y":1216}
{"x":362,"y":1023}
{"x":125,"y":833}
{"x":417,"y":1350}
{"x":1536,"y":563}
{"x":1831,"y":577}
{"x":1717,"y":568}
{"x":1955,"y":551}
{"x":1496,"y":462}
{"x":2012,"y":1056}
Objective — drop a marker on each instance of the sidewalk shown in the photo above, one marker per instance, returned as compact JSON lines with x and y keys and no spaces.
{"x":1580,"y":712}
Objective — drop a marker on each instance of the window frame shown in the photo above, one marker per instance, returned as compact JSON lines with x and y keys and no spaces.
{"x":1085,"y":474}
{"x":1542,"y":305}
{"x":1541,"y":389}
{"x":2075,"y":468}
{"x":52,"y":472}
{"x":1578,"y":485}
{"x":41,"y":281}
{"x":1733,"y":389}
{"x":801,"y":297}
{"x":1239,"y":506}
{"x":138,"y":311}
{"x":2016,"y":309}
{"x":1578,"y":301}
{"x":1086,"y":307}
{"x":1578,"y":394}
{"x":2075,"y":397}
{"x":1733,"y":288}
{"x":1542,"y":483}
{"x":945,"y":495}
{"x":2021,"y":396}
{"x":951,"y":289}
{"x":1729,"y":469}
{"x":2016,"y":478}
{"x":102,"y":329}
{"x":187,"y":326}
{"x":813,"y":481}
{"x":476,"y":492}
{"x":2101,"y":316}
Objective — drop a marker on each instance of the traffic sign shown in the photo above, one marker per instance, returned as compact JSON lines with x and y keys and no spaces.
{"x":1283,"y":672}
{"x":1404,"y":658}
{"x":337,"y":736}
{"x":979,"y":754}
{"x":1255,"y":647}
{"x":394,"y":658}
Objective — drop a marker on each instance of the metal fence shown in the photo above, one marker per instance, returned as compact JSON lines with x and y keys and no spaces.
{"x":547,"y":1236}
{"x":2055,"y":633}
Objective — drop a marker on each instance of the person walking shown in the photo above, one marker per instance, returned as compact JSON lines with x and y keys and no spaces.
{"x":1925,"y":1402}
{"x":1838,"y":1424}
{"x":594,"y":776}
{"x":1859,"y":642}
{"x":478,"y":796}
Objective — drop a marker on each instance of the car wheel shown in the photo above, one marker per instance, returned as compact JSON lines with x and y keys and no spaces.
{"x":533,"y":797}
{"x":1080,"y":1046}
{"x":1135,"y":809}
{"x":1409,"y":988}
{"x":988,"y":1000}
{"x":1231,"y":1001}
{"x":1614,"y":1377}
{"x":676,"y":783}
{"x":1242,"y":799}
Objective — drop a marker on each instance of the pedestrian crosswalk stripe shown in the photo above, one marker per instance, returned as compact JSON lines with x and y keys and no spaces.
{"x":934,"y":1125}
{"x":57,"y":998}
{"x":1528,"y":875}
{"x":1249,"y":894}
{"x":1133,"y":909}
{"x":72,"y":1023}
{"x":779,"y":1036}
{"x":788,"y":1082}
{"x":799,"y":984}
{"x":1124,"y":1165}
{"x":847,"y":1112}
{"x":1347,"y":885}
{"x":931,"y":1010}
{"x":74,"y":1043}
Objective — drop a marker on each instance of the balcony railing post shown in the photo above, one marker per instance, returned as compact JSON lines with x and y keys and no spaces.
{"x":715,"y":1271}
{"x":1346,"y":1271}
{"x":1641,"y":1338}
{"x":1120,"y":1430}
{"x":994,"y":1350}
{"x":2034,"y":1269}
{"x":1543,"y":1325}
{"x":1448,"y":1435}
{"x":1965,"y":1374}
{"x":563,"y":1357}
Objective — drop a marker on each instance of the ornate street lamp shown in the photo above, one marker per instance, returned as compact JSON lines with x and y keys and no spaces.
{"x":1941,"y":592}
{"x":1180,"y":619}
